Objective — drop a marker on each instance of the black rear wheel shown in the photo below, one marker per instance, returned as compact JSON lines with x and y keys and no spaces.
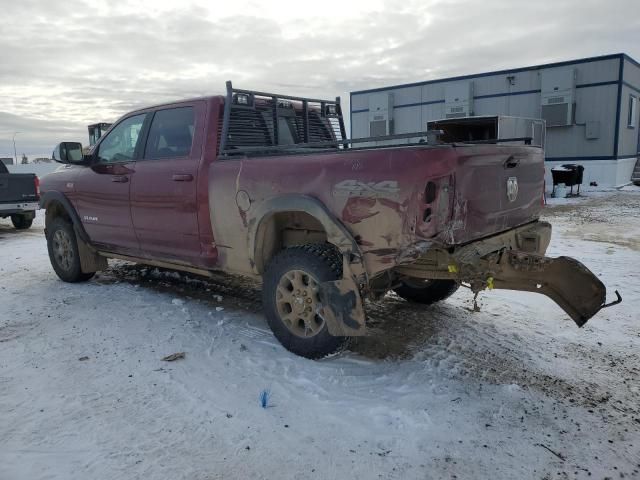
{"x":63,"y":252}
{"x":21,"y":222}
{"x":291,"y":302}
{"x":426,"y":291}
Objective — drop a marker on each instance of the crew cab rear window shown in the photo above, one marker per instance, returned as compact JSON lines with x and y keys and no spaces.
{"x":171,"y":133}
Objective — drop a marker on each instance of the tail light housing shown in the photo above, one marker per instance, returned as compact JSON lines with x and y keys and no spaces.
{"x":36,"y":182}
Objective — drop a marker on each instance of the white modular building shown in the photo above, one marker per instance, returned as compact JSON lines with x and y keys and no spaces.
{"x":589,"y":105}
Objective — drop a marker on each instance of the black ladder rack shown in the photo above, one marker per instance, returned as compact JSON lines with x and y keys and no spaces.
{"x":251,"y":126}
{"x":252,"y":121}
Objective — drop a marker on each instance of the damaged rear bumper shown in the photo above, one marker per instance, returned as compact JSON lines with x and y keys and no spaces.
{"x":515,"y":260}
{"x":564,"y":280}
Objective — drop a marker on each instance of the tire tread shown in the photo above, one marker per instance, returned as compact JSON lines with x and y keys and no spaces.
{"x":316,"y":257}
{"x":76,"y":275}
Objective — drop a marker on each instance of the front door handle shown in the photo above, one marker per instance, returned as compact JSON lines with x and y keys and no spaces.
{"x":182,"y":177}
{"x":120,"y":178}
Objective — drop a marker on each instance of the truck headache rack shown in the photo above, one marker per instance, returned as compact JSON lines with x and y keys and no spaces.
{"x":259,"y":123}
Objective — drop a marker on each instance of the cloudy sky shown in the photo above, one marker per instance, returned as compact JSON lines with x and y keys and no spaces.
{"x":66,"y":64}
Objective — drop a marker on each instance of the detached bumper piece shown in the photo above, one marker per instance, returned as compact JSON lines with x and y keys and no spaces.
{"x":565,"y":280}
{"x":515,"y":260}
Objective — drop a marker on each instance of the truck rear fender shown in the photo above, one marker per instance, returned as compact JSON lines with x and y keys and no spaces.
{"x":342,"y":306}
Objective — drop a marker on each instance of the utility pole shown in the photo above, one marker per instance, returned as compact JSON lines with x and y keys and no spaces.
{"x":15,"y":155}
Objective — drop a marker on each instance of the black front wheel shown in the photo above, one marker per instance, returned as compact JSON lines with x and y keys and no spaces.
{"x":290,"y":297}
{"x":426,"y":291}
{"x":63,"y":252}
{"x":21,"y":222}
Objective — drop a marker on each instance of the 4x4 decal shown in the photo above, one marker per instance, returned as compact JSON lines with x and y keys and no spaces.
{"x":356,"y":188}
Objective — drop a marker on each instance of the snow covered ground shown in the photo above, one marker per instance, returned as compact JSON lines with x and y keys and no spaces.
{"x":513,"y":391}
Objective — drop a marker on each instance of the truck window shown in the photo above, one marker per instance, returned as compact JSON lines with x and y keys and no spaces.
{"x":171,"y":133}
{"x":120,"y":144}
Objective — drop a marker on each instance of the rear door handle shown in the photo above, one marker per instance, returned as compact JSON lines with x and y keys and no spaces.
{"x":120,"y":178}
{"x":182,"y":177}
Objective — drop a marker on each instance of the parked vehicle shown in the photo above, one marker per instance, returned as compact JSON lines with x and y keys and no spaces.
{"x":19,"y":197}
{"x":267,"y":186}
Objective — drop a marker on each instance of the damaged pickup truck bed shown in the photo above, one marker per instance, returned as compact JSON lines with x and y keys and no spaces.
{"x":267,"y":186}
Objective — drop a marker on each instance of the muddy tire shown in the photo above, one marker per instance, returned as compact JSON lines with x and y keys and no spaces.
{"x":426,"y":291}
{"x":290,"y":298}
{"x":21,"y":222}
{"x":63,"y":252}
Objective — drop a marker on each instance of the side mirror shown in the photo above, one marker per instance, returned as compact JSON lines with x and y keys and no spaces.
{"x":69,"y":152}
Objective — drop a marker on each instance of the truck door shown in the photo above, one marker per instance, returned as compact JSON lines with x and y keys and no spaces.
{"x":163,"y":191}
{"x":101,"y":192}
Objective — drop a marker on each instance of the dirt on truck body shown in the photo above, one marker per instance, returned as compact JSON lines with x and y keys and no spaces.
{"x":268,"y":186}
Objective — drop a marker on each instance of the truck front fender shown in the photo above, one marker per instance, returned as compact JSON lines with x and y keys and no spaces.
{"x":52,"y":197}
{"x":90,"y":261}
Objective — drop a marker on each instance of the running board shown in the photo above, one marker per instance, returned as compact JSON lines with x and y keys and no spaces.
{"x":564,"y":280}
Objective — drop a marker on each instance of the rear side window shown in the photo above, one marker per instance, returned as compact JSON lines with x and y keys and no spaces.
{"x":171,"y":133}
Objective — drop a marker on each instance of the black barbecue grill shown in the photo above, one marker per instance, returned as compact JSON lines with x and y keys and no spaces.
{"x":568,"y":174}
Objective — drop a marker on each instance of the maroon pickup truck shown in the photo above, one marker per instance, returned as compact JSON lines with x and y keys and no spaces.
{"x":268,"y":186}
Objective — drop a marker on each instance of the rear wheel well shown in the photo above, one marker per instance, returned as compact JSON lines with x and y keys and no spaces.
{"x":285,"y":229}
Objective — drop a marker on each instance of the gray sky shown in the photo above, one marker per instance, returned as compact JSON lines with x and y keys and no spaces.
{"x":66,"y":64}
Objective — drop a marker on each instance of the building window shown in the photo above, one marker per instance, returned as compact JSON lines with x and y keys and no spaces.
{"x":633,"y":108}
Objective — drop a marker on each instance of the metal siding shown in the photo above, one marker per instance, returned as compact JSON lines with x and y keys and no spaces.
{"x":576,"y":62}
{"x":407,"y":120}
{"x":491,"y":106}
{"x":631,"y":74}
{"x":499,"y":84}
{"x":616,"y":140}
{"x":360,"y":125}
{"x":433,"y":93}
{"x":628,"y":137}
{"x":598,"y":104}
{"x":596,"y":100}
{"x":592,"y":104}
{"x":405,"y":96}
{"x":359,"y":102}
{"x":434,"y":111}
{"x":524,"y":105}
